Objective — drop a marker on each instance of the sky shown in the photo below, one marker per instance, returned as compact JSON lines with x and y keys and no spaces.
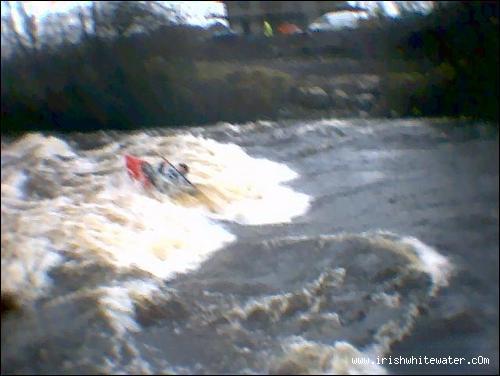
{"x":196,"y":11}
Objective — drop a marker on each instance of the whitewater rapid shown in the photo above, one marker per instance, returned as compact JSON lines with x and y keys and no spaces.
{"x":108,"y":218}
{"x":170,"y":284}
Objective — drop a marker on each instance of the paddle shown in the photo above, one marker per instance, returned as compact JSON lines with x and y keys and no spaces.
{"x":186,"y":179}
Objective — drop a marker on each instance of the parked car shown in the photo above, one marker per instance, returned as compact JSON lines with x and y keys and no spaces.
{"x":287,"y":28}
{"x":337,"y":21}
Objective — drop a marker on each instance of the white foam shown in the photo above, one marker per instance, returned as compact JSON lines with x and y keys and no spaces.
{"x":277,"y":205}
{"x":318,"y":358}
{"x":245,"y":189}
{"x":133,"y":230}
{"x":421,"y":256}
{"x":119,"y":309}
{"x":109,"y":219}
{"x":12,"y":184}
{"x":118,"y":303}
{"x":431,"y":262}
{"x":391,"y":332}
{"x":41,"y":147}
{"x":24,"y":272}
{"x":390,"y":300}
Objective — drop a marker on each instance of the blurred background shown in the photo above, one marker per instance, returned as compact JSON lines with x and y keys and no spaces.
{"x":344,"y":156}
{"x":83,"y":64}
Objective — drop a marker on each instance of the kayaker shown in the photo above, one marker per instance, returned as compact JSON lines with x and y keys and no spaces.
{"x":165,"y":178}
{"x":168,"y":170}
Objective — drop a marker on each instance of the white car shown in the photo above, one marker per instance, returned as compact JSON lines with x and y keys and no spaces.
{"x":337,"y":21}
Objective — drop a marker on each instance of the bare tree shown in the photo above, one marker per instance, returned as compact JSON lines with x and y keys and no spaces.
{"x":120,"y":18}
{"x":10,"y":31}
{"x":29,"y":25}
{"x":413,"y":7}
{"x":84,"y":20}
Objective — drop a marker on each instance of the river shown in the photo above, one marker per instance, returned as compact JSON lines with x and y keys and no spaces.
{"x":309,"y":244}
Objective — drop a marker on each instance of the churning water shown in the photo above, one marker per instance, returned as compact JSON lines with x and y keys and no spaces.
{"x":304,"y":247}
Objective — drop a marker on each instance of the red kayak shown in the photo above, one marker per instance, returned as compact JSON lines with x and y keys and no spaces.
{"x":143,"y":172}
{"x":136,"y":168}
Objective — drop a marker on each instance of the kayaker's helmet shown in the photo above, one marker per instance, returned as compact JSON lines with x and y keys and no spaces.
{"x":183,"y":168}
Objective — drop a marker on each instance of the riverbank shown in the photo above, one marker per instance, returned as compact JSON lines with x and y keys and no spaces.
{"x":179,"y":76}
{"x":174,"y":75}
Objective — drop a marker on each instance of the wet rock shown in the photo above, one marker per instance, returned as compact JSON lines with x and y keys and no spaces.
{"x":363,"y":114}
{"x":393,"y":114}
{"x":365,"y":101}
{"x":284,"y":112}
{"x":311,"y":97}
{"x":346,"y":83}
{"x":340,"y":99}
{"x":368,"y":83}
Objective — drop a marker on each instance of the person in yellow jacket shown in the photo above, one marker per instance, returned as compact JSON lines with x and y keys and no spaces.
{"x":268,"y":30}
